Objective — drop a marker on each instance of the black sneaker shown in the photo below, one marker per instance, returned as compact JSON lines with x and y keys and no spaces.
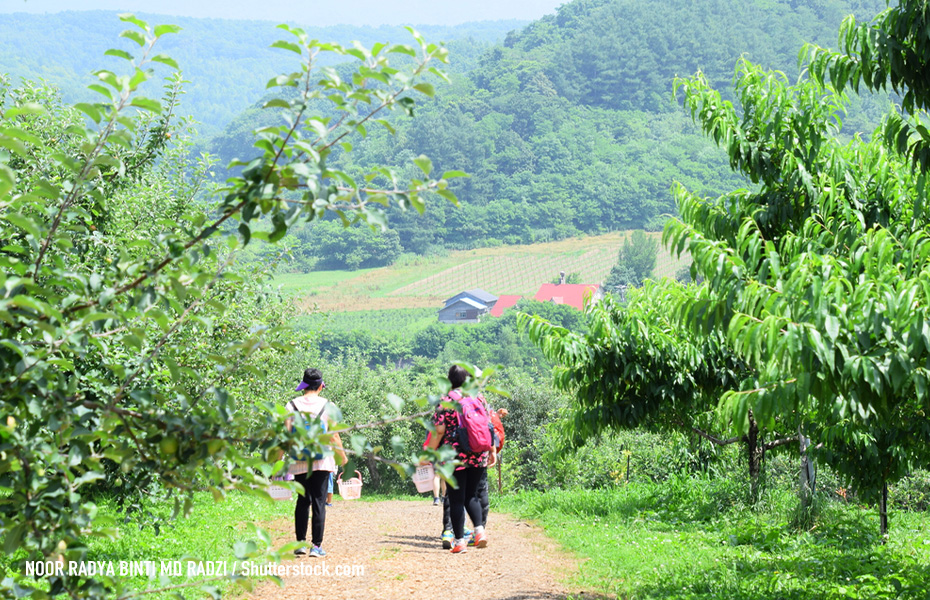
{"x":301,"y":551}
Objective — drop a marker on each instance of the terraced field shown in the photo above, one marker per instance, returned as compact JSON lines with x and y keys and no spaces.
{"x":427,"y":282}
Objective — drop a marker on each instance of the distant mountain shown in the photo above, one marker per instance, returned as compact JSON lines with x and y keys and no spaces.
{"x":570,"y":127}
{"x":227,"y":62}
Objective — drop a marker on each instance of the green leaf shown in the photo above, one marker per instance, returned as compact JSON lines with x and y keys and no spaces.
{"x":90,"y":110}
{"x":403,"y":49}
{"x":165,"y":60}
{"x":245,"y":232}
{"x":24,"y":223}
{"x":147,"y":104}
{"x":26,"y":108}
{"x":131,"y":18}
{"x":425,"y":88}
{"x":118,"y":54}
{"x":425,"y":164}
{"x":277,"y":103}
{"x":449,"y":195}
{"x":285,"y":45}
{"x":832,"y":325}
{"x":131,"y":34}
{"x":454,"y":174}
{"x":161,"y":30}
{"x":13,"y":144}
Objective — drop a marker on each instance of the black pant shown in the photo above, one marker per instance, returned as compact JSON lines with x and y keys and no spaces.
{"x":482,"y":497}
{"x":315,"y":485}
{"x":465,"y":498}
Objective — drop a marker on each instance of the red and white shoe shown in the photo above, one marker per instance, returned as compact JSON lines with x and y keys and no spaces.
{"x":459,"y":546}
{"x":481,"y":540}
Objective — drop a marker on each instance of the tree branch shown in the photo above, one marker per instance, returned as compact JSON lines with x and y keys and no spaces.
{"x":708,"y":436}
{"x":781,"y":442}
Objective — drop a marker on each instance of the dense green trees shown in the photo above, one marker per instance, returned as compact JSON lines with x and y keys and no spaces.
{"x":635,"y":261}
{"x":569,"y":127}
{"x":815,"y":280}
{"x":124,"y":321}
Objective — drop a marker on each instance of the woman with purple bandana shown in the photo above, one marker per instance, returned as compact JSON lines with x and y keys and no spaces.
{"x":315,"y":482}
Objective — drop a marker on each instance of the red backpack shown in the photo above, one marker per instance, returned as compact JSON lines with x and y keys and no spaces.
{"x":498,"y":430}
{"x":476,"y":432}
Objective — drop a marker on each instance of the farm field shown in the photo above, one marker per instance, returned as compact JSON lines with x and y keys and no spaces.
{"x":425,"y":282}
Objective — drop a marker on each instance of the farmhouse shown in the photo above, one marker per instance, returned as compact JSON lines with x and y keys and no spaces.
{"x":467,"y":306}
{"x":573,"y":294}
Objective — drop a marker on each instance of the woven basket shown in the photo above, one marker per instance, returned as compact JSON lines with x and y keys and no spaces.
{"x":423,"y":478}
{"x":297,"y":467}
{"x":280,"y":493}
{"x":351,"y":489}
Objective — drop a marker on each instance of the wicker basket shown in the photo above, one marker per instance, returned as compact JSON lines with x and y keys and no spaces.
{"x":423,"y":478}
{"x":280,"y":493}
{"x":351,"y":489}
{"x":297,"y":467}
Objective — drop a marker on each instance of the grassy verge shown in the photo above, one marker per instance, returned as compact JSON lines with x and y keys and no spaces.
{"x":687,"y":539}
{"x":210,"y":533}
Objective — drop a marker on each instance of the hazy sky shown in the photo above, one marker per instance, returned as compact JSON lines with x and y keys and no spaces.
{"x":312,"y":12}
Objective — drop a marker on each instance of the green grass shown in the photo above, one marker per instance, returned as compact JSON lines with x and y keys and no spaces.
{"x":209,"y":533}
{"x":306,"y":284}
{"x":689,"y":539}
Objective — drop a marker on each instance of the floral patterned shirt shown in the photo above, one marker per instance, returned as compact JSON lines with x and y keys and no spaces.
{"x":450,"y":420}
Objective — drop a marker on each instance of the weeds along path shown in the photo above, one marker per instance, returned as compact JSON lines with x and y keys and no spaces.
{"x":396,"y":545}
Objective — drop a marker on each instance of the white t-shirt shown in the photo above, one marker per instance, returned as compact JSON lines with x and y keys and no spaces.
{"x":310,"y":407}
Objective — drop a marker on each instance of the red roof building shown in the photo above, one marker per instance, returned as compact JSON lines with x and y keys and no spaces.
{"x":503,"y":303}
{"x":573,"y":294}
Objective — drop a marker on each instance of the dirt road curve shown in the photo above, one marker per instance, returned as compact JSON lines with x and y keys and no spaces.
{"x":397,"y":545}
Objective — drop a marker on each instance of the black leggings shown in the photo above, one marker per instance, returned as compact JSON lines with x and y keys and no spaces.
{"x":464,"y":497}
{"x":315,"y":485}
{"x":482,"y":497}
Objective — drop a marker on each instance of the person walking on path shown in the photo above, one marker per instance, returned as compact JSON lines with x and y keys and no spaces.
{"x":315,"y":482}
{"x":469,"y":475}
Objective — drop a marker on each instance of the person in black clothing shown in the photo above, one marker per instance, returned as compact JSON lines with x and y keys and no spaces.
{"x":469,"y":475}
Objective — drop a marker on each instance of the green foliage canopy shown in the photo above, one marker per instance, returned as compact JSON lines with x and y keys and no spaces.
{"x":635,"y":261}
{"x":815,"y":281}
{"x":116,"y":357}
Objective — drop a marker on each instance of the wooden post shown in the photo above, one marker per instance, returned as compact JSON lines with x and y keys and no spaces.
{"x":628,"y":468}
{"x":883,"y":510}
{"x":500,"y":487}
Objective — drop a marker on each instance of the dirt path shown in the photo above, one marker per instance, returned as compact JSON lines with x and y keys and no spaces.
{"x":396,"y":544}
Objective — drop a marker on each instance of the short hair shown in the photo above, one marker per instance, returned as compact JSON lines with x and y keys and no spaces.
{"x":313,"y":378}
{"x":457,"y":376}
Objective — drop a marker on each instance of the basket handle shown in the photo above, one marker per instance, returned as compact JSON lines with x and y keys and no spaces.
{"x":339,"y":476}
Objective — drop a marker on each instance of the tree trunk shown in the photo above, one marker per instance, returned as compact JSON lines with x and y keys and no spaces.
{"x":373,"y":470}
{"x":883,"y":510}
{"x":753,"y":453}
{"x":808,"y":478}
